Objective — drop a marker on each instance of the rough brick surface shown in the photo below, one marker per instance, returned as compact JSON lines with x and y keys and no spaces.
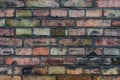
{"x":59,"y":39}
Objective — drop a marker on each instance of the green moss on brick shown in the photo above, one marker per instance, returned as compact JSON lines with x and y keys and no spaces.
{"x":23,"y":32}
{"x":58,"y":32}
{"x":23,"y":13}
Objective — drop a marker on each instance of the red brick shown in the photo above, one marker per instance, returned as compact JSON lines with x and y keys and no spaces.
{"x":57,"y":23}
{"x":6,"y":51}
{"x":94,"y":13}
{"x":6,"y":13}
{"x":77,"y":32}
{"x":70,"y":60}
{"x":74,"y":71}
{"x":6,"y":32}
{"x":23,"y":51}
{"x":22,"y":61}
{"x":58,"y":13}
{"x":107,"y":42}
{"x":108,"y":3}
{"x":116,"y":23}
{"x":76,"y":13}
{"x":10,"y":42}
{"x":41,"y":12}
{"x":39,"y":41}
{"x":41,"y":51}
{"x":74,"y":78}
{"x":93,"y":23}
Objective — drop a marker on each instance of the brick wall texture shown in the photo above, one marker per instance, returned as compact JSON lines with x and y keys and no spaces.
{"x":59,"y":39}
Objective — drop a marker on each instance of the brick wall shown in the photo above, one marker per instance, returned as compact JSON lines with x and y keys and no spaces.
{"x":59,"y":39}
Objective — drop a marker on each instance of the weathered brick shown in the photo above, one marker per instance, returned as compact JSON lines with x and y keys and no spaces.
{"x":16,"y":78}
{"x":58,"y":51}
{"x":70,"y":60}
{"x":74,"y":78}
{"x":57,"y":23}
{"x":5,"y":70}
{"x":76,"y":51}
{"x":106,"y":78}
{"x":22,"y":61}
{"x":93,"y":51}
{"x":116,"y":23}
{"x":2,"y":22}
{"x":41,"y":12}
{"x":17,"y":70}
{"x":6,"y":32}
{"x":81,"y":61}
{"x":107,"y":42}
{"x":2,"y":60}
{"x":23,"y":32}
{"x":11,"y":3}
{"x":39,"y":41}
{"x":109,"y":71}
{"x":56,"y":70}
{"x":77,"y":32}
{"x":76,"y":13}
{"x":23,"y":13}
{"x":6,"y":12}
{"x":112,"y":13}
{"x":42,"y":3}
{"x":39,"y":70}
{"x":93,"y":23}
{"x":58,"y":32}
{"x":112,"y":32}
{"x":23,"y":51}
{"x":41,"y":51}
{"x":108,"y":3}
{"x":22,"y":22}
{"x":6,"y":51}
{"x":74,"y":71}
{"x":111,"y":51}
{"x":76,"y":3}
{"x":41,"y":31}
{"x":10,"y":42}
{"x":94,"y":32}
{"x":115,"y":61}
{"x":75,"y":42}
{"x":39,"y":78}
{"x":94,"y":13}
{"x":91,"y":71}
{"x":106,"y":61}
{"x":5,"y":77}
{"x":58,"y":13}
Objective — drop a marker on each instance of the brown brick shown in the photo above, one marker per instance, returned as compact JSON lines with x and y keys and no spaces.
{"x":74,"y":71}
{"x":74,"y":78}
{"x":39,"y":41}
{"x":6,"y":51}
{"x":5,"y":77}
{"x":39,"y":78}
{"x":22,"y":61}
{"x":93,"y":13}
{"x":76,"y":13}
{"x":57,"y":23}
{"x":77,"y":32}
{"x":41,"y":51}
{"x":106,"y":78}
{"x":39,"y":70}
{"x":58,"y":32}
{"x":75,"y":42}
{"x":58,"y":13}
{"x":93,"y":23}
{"x":23,"y":51}
{"x":6,"y":32}
{"x":41,"y":12}
{"x":10,"y":42}
{"x":108,"y":3}
{"x":6,"y":12}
